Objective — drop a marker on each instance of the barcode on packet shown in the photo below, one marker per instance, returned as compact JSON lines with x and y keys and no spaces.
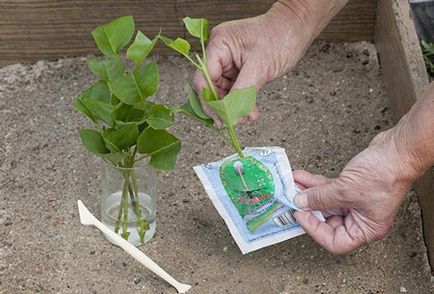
{"x":285,"y":218}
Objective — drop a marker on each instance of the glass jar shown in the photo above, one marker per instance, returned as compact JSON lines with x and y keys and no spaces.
{"x":128,"y":204}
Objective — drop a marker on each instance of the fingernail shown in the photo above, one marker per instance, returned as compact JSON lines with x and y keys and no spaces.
{"x":300,"y":201}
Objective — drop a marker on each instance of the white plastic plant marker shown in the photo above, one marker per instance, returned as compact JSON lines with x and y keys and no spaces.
{"x":87,"y":218}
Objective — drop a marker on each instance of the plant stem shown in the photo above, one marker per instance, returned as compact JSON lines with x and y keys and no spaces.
{"x":142,"y":224}
{"x":231,"y":131}
{"x":192,"y":61}
{"x":205,"y":71}
{"x":140,"y":158}
{"x":234,"y":140}
{"x":135,"y":202}
{"x":118,"y":219}
{"x":134,"y":153}
{"x":203,"y":50}
{"x":124,"y":204}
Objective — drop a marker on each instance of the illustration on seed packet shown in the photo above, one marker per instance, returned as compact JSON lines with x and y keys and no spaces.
{"x":250,"y":186}
{"x":254,"y":196}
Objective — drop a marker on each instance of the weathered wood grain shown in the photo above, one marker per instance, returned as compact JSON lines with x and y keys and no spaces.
{"x":49,"y":29}
{"x":405,"y":79}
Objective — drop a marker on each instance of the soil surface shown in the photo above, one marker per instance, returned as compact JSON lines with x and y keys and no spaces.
{"x":323,"y":112}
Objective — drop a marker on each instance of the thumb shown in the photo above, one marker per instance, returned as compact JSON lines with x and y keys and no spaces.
{"x":249,"y":76}
{"x":323,"y":197}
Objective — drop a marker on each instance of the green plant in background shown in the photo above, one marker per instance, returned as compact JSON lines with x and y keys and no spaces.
{"x":127,"y":126}
{"x":238,"y":103}
{"x":428,"y":56}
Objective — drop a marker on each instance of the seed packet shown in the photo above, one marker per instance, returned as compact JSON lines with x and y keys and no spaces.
{"x":254,"y":195}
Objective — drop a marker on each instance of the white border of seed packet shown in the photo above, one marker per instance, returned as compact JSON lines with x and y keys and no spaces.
{"x":244,"y":246}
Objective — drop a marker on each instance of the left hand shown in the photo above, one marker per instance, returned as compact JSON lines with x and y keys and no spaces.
{"x":360,"y":205}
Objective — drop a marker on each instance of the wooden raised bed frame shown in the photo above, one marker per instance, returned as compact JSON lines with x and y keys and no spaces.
{"x":48,"y":29}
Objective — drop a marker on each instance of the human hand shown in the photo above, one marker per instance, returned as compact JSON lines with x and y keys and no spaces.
{"x":360,"y":205}
{"x":253,"y":51}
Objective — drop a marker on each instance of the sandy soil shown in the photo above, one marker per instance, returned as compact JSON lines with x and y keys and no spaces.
{"x":323,"y":113}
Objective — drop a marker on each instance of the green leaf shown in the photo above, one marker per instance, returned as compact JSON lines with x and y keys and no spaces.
{"x":180,"y":45}
{"x":114,"y":101}
{"x":160,"y":117}
{"x":106,"y":70}
{"x":135,"y":87}
{"x":207,"y":95}
{"x":93,"y":141}
{"x":99,"y":91}
{"x":127,"y":113}
{"x":81,"y":107}
{"x":188,"y":110}
{"x":144,"y":105}
{"x":195,"y":104}
{"x":122,"y":138}
{"x":148,"y":78}
{"x":142,"y":127}
{"x":93,"y":110}
{"x":111,"y":37}
{"x":100,"y":110}
{"x":238,"y":103}
{"x":197,"y":27}
{"x":162,"y":146}
{"x":141,"y":47}
{"x":114,"y":158}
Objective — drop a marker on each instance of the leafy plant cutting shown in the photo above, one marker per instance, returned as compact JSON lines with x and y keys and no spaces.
{"x":127,"y":127}
{"x":236,"y":104}
{"x":253,"y":189}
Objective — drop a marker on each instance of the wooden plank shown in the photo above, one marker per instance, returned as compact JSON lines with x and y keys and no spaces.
{"x":405,"y":79}
{"x":48,"y":29}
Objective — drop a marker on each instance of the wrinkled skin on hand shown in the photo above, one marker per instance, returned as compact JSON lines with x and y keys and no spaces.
{"x":360,"y":205}
{"x":362,"y":202}
{"x":253,"y":51}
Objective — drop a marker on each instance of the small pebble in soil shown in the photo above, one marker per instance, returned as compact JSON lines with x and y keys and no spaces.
{"x":137,"y":280}
{"x":366,"y":52}
{"x":92,"y":252}
{"x":413,"y":254}
{"x":309,"y":99}
{"x":325,"y":48}
{"x":124,"y":264}
{"x":402,"y":290}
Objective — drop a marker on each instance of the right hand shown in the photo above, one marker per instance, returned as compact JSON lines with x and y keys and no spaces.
{"x":253,"y":51}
